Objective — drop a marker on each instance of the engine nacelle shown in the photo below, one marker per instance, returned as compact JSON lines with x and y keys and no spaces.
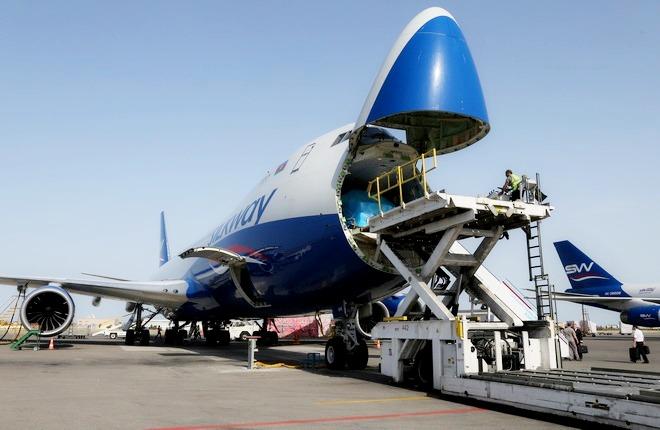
{"x":51,"y":307}
{"x":368,"y":316}
{"x":645,"y":316}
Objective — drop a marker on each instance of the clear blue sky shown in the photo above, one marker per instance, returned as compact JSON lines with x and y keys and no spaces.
{"x":110,"y":112}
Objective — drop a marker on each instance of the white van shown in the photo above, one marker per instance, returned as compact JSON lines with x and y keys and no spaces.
{"x":240,"y":329}
{"x":112,"y":331}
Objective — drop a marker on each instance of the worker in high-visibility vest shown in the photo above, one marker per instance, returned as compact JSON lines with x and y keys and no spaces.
{"x":512,"y":183}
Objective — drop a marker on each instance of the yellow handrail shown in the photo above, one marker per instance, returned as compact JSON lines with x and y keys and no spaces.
{"x":402,"y":178}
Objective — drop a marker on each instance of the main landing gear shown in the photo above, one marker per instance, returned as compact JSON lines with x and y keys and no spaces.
{"x":216,"y":333}
{"x":175,"y":335}
{"x":267,"y":338}
{"x":139,"y":334}
{"x":346,"y":348}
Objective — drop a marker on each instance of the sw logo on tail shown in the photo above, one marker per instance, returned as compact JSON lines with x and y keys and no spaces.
{"x":592,"y":285}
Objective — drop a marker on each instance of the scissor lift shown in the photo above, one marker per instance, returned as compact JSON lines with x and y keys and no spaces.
{"x":512,"y":361}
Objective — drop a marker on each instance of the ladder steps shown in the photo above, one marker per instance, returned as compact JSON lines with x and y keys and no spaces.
{"x":537,"y":273}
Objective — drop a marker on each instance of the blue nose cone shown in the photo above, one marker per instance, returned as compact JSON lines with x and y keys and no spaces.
{"x":429,"y":86}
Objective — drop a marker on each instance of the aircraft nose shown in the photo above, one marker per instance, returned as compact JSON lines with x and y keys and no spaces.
{"x":429,"y":85}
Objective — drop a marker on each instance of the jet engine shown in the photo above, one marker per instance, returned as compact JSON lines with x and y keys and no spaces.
{"x":369,"y":315}
{"x":49,"y":307}
{"x":645,"y":316}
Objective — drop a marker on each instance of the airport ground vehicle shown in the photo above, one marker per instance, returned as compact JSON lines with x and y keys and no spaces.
{"x":240,"y":330}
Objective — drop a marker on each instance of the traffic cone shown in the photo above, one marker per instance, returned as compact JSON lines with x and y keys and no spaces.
{"x":51,"y":344}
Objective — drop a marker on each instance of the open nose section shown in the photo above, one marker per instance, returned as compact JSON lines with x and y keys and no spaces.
{"x":429,"y":87}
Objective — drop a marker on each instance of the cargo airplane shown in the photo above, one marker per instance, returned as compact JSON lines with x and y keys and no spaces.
{"x":592,"y":285}
{"x":297,"y":244}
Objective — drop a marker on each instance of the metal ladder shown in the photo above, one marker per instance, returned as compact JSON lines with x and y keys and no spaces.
{"x":543,"y":289}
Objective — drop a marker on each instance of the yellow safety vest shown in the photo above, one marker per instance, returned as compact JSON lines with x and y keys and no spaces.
{"x":515,"y":181}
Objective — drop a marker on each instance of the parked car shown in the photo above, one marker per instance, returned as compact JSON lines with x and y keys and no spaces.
{"x":240,"y":329}
{"x":113,"y":332}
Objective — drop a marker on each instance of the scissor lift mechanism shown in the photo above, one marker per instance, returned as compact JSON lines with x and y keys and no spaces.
{"x":459,"y":364}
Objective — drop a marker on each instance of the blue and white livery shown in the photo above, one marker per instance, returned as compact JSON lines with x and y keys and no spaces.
{"x":592,"y":285}
{"x":297,"y":244}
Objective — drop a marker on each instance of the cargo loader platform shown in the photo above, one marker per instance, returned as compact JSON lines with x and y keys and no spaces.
{"x":434,"y":213}
{"x":514,"y":360}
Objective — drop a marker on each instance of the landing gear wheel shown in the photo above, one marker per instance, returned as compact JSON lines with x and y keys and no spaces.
{"x":169,"y":337}
{"x":144,"y":338}
{"x":424,"y":366}
{"x":211,"y":337}
{"x":223,"y":337}
{"x":358,"y":358}
{"x":181,"y":337}
{"x":335,"y":353}
{"x":268,"y":338}
{"x":130,"y":337}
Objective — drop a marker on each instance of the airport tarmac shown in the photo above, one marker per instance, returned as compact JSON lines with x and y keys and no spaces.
{"x":107,"y":385}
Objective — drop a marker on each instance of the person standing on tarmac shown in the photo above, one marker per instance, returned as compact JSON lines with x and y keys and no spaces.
{"x":569,"y":332}
{"x":638,"y":342}
{"x":578,"y":335}
{"x":512,"y":183}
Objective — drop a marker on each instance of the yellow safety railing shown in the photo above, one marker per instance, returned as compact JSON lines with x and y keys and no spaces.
{"x":395,"y":178}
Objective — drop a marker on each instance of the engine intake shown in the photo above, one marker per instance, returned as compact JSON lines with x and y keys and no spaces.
{"x":368,"y":316}
{"x":50,"y":307}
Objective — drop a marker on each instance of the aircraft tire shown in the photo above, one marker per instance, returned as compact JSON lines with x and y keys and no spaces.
{"x":424,"y":366}
{"x":211,"y":337}
{"x":268,"y":338}
{"x":144,"y":338}
{"x":359,"y":357}
{"x":169,"y":337}
{"x":273,"y":338}
{"x":223,"y":337}
{"x":130,"y":337}
{"x":181,"y":337}
{"x":335,"y":353}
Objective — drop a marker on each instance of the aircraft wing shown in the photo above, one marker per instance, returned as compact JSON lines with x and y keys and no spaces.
{"x":163,"y":293}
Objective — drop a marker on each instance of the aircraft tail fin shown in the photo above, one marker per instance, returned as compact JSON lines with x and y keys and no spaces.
{"x":164,"y":246}
{"x":582,"y":271}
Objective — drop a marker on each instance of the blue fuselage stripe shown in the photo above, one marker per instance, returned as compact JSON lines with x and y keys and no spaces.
{"x":305,"y":264}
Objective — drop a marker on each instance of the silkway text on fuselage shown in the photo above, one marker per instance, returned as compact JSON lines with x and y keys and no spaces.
{"x":254,"y":210}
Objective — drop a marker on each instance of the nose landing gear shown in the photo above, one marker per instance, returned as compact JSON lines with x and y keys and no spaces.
{"x":346,"y":348}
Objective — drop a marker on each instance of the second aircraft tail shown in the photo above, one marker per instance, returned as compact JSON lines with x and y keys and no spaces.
{"x":581,"y":270}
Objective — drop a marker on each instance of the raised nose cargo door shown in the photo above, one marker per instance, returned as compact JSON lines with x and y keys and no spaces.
{"x":429,"y":87}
